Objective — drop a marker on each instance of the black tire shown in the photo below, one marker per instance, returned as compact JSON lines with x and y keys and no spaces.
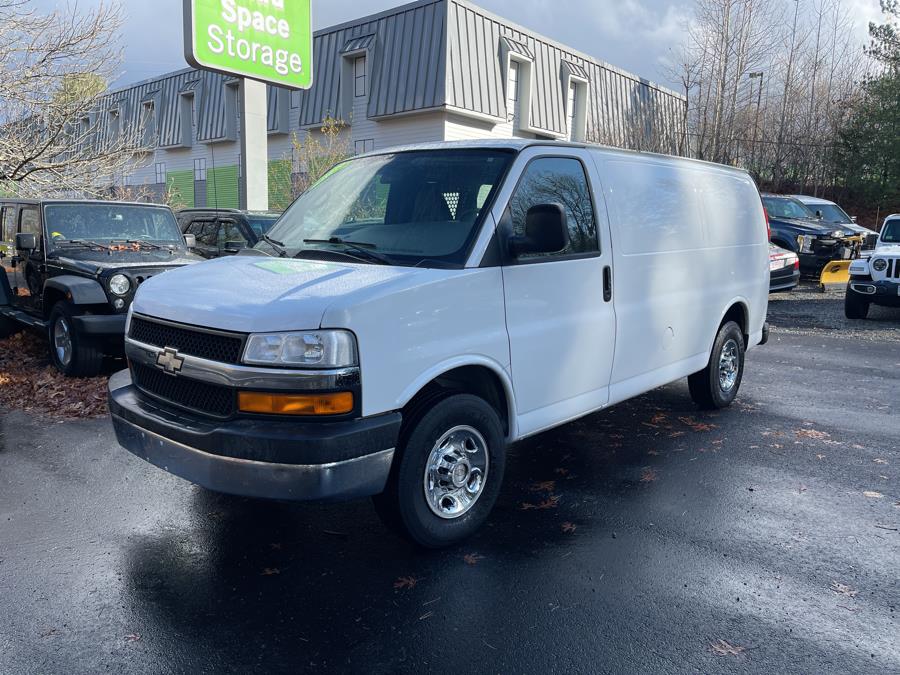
{"x":86,"y":359}
{"x":404,"y":506}
{"x":706,"y":387}
{"x":854,"y":306}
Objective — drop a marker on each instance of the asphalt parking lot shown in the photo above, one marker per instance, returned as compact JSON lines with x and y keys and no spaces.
{"x":649,"y":537}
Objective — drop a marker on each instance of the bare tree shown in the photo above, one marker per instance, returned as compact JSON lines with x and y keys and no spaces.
{"x":316,"y":151}
{"x":55,"y":136}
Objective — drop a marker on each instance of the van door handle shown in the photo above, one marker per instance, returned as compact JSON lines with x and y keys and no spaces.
{"x":607,"y":284}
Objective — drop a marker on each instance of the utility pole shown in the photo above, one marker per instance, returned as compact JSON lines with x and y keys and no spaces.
{"x":761,"y":77}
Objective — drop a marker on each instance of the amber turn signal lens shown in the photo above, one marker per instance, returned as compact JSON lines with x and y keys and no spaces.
{"x":295,"y":404}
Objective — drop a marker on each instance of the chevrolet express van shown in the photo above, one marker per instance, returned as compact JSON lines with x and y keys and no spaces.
{"x":419,"y":309}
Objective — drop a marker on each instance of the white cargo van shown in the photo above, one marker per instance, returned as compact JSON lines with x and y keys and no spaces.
{"x":419,"y":309}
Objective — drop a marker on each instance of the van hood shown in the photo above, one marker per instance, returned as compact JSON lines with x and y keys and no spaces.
{"x":250,"y":294}
{"x":887,"y":249}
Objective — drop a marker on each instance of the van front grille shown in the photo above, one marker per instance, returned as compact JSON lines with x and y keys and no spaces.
{"x":212,"y":346}
{"x":201,"y":397}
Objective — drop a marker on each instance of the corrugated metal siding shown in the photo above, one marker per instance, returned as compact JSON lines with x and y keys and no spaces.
{"x":222,"y":188}
{"x":180,"y":185}
{"x":622,"y":108}
{"x":407,"y":67}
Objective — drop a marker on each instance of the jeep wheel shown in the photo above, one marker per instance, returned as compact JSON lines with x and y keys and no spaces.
{"x":72,"y":354}
{"x":447,"y":473}
{"x":716,"y":386}
{"x":854,"y":306}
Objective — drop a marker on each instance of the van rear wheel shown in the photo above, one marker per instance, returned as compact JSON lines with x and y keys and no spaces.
{"x":716,"y":386}
{"x":447,"y":474}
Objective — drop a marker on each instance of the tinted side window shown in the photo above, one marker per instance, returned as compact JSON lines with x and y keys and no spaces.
{"x":230,"y":232}
{"x":30,"y":223}
{"x":556,"y":180}
{"x":8,"y":223}
{"x":206,"y":232}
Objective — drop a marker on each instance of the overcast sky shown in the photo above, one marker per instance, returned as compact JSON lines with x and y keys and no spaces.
{"x":637,"y":35}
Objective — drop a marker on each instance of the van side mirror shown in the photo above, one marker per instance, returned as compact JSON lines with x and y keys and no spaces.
{"x":234,"y":246}
{"x":26,"y":241}
{"x":546,"y":231}
{"x":190,"y":240}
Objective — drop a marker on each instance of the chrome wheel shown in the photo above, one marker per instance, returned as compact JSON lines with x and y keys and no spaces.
{"x":455,"y":472}
{"x":729,"y":365}
{"x":62,"y":341}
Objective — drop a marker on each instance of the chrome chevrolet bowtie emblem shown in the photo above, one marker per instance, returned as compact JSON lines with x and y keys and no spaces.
{"x":169,"y":361}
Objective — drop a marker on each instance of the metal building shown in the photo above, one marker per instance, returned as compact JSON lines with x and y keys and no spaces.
{"x":428,"y":71}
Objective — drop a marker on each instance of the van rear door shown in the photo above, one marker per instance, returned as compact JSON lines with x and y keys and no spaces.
{"x":561,"y":327}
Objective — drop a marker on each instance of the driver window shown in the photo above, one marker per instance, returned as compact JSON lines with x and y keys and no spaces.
{"x":228,"y":232}
{"x":30,"y":223}
{"x":558,"y":180}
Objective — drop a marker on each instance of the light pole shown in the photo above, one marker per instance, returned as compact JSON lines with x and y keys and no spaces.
{"x":761,"y":77}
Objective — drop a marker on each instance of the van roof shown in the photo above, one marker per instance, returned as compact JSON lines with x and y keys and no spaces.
{"x":518,"y":145}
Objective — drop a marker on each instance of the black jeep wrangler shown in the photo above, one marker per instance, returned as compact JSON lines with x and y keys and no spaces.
{"x":71,"y":269}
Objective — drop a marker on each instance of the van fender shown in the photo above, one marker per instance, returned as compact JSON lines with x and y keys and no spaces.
{"x":79,"y":290}
{"x":461,"y":362}
{"x":745,"y":305}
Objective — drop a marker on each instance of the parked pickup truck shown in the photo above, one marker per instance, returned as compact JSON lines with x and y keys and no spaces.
{"x":876,"y":280}
{"x":419,"y":309}
{"x":71,"y":268}
{"x":796,"y":228}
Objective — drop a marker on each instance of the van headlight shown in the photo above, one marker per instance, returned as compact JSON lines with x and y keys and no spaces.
{"x":308,"y":349}
{"x":119,"y":284}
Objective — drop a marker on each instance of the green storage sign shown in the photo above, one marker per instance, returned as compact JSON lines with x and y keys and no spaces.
{"x":267,"y":40}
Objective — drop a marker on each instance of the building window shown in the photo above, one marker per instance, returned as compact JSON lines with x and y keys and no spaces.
{"x":512,"y":92}
{"x":362,"y":147}
{"x":160,"y":173}
{"x":359,"y":76}
{"x":571,"y":109}
{"x":200,"y":169}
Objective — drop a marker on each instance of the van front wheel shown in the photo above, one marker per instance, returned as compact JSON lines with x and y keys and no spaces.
{"x":716,"y":386}
{"x":447,"y":474}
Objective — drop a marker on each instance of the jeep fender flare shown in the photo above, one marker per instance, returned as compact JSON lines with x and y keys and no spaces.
{"x":79,"y":290}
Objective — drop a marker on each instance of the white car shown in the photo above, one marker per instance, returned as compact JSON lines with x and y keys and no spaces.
{"x":419,"y":309}
{"x":831,"y":213}
{"x":876,"y":280}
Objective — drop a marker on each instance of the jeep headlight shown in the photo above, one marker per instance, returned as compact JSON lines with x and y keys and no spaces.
{"x":879,"y":265}
{"x":805,"y":243}
{"x":119,"y":284}
{"x":308,"y":349}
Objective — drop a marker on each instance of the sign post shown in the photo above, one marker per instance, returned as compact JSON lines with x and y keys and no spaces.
{"x":264,"y":42}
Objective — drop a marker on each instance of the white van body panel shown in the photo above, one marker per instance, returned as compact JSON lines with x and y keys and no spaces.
{"x":689,"y":242}
{"x":408,"y":335}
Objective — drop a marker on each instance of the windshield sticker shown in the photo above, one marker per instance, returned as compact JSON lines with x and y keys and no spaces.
{"x":288,"y":267}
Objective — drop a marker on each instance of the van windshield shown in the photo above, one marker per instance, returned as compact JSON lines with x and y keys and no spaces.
{"x":421,"y":208}
{"x":110,"y":222}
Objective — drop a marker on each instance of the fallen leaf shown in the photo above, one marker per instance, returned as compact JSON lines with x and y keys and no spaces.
{"x":802,"y":489}
{"x":562,"y":472}
{"x":880,"y":461}
{"x":648,"y":475}
{"x":653,"y":453}
{"x":820,"y":456}
{"x":550,"y":503}
{"x":813,"y":434}
{"x":696,"y":425}
{"x":723,"y":648}
{"x":473,"y":558}
{"x":569,"y":528}
{"x":546,"y":486}
{"x":404,"y":583}
{"x":842,"y":589}
{"x":871,"y":494}
{"x":270,"y":572}
{"x":132,"y":637}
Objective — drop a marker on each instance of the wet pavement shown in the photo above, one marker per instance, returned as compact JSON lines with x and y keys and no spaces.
{"x":648,"y":538}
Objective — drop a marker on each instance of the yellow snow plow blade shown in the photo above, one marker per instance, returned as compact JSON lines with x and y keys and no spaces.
{"x":835,"y":273}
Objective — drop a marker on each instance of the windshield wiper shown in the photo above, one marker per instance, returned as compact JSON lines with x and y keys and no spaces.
{"x":82,"y":243}
{"x":277,"y":245}
{"x":142,"y":243}
{"x":363,"y":248}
